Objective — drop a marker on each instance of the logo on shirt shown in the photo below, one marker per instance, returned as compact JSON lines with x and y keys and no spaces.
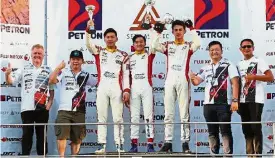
{"x":8,"y":98}
{"x":212,"y":15}
{"x":78,"y":18}
{"x":270,"y":95}
{"x":270,"y":14}
{"x":136,"y":26}
{"x":198,"y":102}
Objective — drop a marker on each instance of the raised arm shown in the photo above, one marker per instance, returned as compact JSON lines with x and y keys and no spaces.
{"x":93,"y":49}
{"x":155,"y":44}
{"x":13,"y":77}
{"x":55,"y":77}
{"x":196,"y":42}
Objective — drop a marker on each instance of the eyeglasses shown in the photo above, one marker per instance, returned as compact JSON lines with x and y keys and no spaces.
{"x":247,"y":46}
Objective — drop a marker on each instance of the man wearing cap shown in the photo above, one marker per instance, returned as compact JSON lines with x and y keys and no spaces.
{"x":72,"y":102}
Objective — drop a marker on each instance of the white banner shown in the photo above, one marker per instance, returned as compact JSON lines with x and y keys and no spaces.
{"x":226,"y":21}
{"x":22,"y":25}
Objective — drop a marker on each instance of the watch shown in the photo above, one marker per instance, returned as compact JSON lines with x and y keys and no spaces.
{"x":235,"y":100}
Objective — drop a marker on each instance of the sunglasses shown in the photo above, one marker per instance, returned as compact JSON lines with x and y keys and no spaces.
{"x":247,"y":46}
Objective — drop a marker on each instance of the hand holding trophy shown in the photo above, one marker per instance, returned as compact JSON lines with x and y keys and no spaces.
{"x":147,"y":20}
{"x":90,"y":25}
{"x":167,"y":19}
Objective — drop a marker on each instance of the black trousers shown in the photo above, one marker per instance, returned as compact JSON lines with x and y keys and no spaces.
{"x":252,"y":112}
{"x":219,"y":113}
{"x":41,"y":116}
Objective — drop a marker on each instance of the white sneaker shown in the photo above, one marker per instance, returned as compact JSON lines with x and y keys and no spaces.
{"x":101,"y":149}
{"x":119,"y":148}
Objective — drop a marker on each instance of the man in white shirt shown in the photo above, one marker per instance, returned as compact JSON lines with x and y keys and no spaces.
{"x":35,"y":105}
{"x":254,"y":72}
{"x":72,"y":107}
{"x":113,"y":85}
{"x":141,"y":64}
{"x":177,"y":85}
{"x":221,"y":96}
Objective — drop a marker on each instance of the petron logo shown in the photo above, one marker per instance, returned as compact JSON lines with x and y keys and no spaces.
{"x":17,"y":14}
{"x":10,"y":98}
{"x":78,"y":18}
{"x":270,"y":14}
{"x":211,"y":15}
{"x":270,"y":95}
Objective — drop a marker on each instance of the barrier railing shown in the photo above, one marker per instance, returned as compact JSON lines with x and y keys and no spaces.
{"x":196,"y":154}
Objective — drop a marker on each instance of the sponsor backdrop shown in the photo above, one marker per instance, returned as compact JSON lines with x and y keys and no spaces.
{"x":214,"y":20}
{"x":22,"y":25}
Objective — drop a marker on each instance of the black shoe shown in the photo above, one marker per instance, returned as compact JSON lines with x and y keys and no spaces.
{"x":185,"y":148}
{"x":167,"y":147}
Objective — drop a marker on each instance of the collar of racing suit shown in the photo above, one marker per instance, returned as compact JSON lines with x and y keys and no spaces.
{"x":112,"y":50}
{"x":178,"y":42}
{"x":139,"y":52}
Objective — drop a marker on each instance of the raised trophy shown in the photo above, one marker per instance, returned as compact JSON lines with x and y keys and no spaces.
{"x":90,"y":9}
{"x":167,"y":19}
{"x":147,"y":21}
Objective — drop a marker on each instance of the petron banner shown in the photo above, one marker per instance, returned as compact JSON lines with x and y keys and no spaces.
{"x":217,"y":20}
{"x":22,"y":25}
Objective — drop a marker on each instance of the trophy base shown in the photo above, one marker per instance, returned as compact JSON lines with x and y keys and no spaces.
{"x":146,"y":26}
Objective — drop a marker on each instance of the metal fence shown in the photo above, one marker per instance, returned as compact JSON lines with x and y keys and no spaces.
{"x":156,"y":154}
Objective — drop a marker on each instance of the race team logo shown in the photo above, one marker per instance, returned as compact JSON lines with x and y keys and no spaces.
{"x":141,"y":16}
{"x":270,"y":10}
{"x":270,"y":14}
{"x":211,"y":15}
{"x":78,"y":18}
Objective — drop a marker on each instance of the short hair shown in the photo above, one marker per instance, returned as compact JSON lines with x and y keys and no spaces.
{"x":109,"y":30}
{"x":247,"y":40}
{"x":138,"y":36}
{"x":178,"y":22}
{"x":38,"y":46}
{"x":214,"y":43}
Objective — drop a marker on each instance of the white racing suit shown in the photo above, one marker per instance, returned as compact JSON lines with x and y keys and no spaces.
{"x":141,"y":93}
{"x":177,"y":85}
{"x":113,"y":81}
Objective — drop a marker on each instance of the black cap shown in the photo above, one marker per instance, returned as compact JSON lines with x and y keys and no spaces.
{"x":76,"y":54}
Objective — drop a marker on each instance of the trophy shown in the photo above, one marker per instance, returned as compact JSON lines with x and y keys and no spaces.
{"x":146,"y":23}
{"x":167,"y":19}
{"x":90,"y":9}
